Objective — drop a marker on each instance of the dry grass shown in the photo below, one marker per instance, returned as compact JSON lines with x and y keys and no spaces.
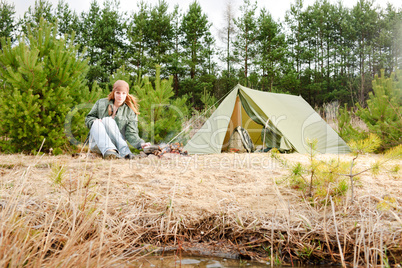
{"x":67,"y":212}
{"x":58,"y":224}
{"x":355,"y":121}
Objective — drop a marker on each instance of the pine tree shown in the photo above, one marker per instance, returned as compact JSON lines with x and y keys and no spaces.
{"x":383,"y":115}
{"x":160,"y":116}
{"x":364,"y":19}
{"x":44,"y":77}
{"x":226,"y":34}
{"x":102,"y":32}
{"x":196,"y":32}
{"x":32,"y":17}
{"x":244,"y":43}
{"x":175,"y":64}
{"x":137,"y":35}
{"x":7,"y":24}
{"x":197,"y":47}
{"x":67,"y":19}
{"x":272,"y":50}
{"x":160,"y":37}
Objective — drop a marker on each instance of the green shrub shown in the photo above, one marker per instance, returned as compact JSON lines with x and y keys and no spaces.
{"x":383,"y":114}
{"x":161,"y":116}
{"x":346,"y":130}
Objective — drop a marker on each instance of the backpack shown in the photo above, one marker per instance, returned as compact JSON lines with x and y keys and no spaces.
{"x":240,"y":141}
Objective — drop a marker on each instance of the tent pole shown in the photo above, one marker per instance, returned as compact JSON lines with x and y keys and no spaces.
{"x":263,"y":141}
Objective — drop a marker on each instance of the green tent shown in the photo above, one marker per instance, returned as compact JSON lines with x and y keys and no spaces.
{"x":283,"y":121}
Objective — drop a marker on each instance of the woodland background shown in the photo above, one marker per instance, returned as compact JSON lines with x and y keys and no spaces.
{"x":54,"y":59}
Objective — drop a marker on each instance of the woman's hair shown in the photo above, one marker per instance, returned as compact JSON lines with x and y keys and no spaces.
{"x":131,"y":101}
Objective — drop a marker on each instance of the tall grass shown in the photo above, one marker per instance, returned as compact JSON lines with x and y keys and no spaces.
{"x":67,"y":229}
{"x":87,"y":213}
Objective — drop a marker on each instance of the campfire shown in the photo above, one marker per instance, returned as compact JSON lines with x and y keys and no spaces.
{"x":160,"y":150}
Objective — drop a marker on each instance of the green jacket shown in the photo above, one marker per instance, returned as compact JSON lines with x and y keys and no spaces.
{"x":125,"y":118}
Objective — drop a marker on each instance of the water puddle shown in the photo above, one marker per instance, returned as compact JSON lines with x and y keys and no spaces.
{"x":171,"y":261}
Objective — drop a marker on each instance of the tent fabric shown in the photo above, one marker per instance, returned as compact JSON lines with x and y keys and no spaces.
{"x":209,"y":138}
{"x":286,"y":115}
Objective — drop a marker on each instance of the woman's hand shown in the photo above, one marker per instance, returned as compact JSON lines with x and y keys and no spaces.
{"x":145,"y":144}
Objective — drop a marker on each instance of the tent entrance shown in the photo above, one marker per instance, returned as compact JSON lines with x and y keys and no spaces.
{"x":234,"y":122}
{"x":262,"y":136}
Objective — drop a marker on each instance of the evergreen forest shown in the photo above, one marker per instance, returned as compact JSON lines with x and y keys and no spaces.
{"x":324,"y":52}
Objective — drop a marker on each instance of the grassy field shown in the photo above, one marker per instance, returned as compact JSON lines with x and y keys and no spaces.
{"x":83,"y":211}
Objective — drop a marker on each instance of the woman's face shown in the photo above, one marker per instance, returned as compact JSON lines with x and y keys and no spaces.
{"x":120,"y":95}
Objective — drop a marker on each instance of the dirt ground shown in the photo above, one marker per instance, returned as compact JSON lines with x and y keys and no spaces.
{"x":193,"y":185}
{"x":177,"y":191}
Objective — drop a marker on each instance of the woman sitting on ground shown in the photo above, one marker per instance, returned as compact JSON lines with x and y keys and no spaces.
{"x":112,"y":121}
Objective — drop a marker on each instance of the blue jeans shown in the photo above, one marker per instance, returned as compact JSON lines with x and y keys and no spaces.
{"x":105,"y":135}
